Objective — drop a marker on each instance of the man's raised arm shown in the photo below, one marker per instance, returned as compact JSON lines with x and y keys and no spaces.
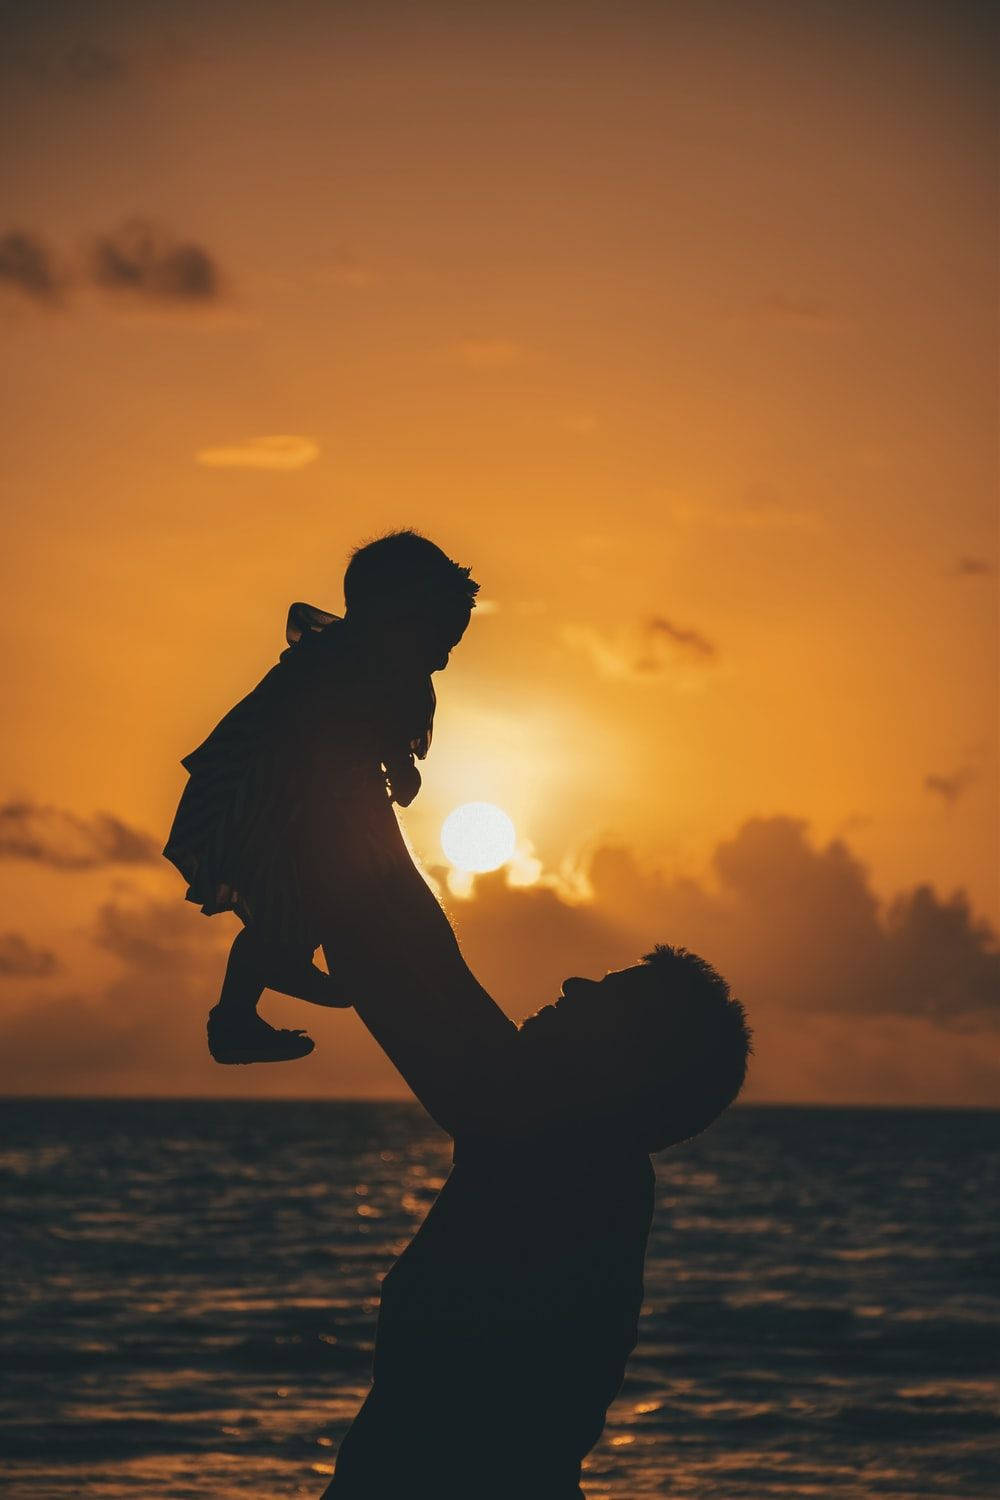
{"x":402,"y":968}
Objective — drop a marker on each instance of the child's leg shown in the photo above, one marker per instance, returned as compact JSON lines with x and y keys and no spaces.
{"x":256,"y":964}
{"x":244,"y":982}
{"x":295,"y":974}
{"x":236,"y":1033}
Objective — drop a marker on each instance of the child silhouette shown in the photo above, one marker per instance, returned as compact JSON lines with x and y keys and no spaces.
{"x":286,"y":799}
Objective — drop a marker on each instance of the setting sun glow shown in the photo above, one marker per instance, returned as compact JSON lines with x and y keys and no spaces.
{"x":477,"y":837}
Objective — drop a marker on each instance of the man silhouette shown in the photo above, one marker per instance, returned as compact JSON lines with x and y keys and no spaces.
{"x":506,"y":1324}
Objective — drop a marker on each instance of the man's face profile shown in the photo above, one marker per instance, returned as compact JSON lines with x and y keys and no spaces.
{"x":597,"y":1034}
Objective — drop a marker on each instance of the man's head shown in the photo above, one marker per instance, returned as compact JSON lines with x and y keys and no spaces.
{"x":404,"y":587}
{"x":654,"y":1052}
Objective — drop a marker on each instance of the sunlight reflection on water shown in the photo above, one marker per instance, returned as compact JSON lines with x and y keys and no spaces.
{"x":193,"y":1288}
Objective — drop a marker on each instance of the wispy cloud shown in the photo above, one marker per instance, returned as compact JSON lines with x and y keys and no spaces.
{"x":973,"y":567}
{"x":85,"y":66}
{"x":653,"y":648}
{"x":20,"y":959}
{"x":142,"y":258}
{"x":64,"y":841}
{"x":688,"y":640}
{"x":140,"y":261}
{"x":52,"y":62}
{"x":950,"y":787}
{"x":285,"y":451}
{"x":27,"y":264}
{"x":88,"y":64}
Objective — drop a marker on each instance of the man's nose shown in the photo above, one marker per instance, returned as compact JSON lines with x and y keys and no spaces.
{"x":576,"y":985}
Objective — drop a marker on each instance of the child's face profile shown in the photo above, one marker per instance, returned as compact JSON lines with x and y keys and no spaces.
{"x":425,"y":642}
{"x":440,"y":640}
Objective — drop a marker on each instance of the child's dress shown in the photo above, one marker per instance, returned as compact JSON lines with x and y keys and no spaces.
{"x":290,"y":793}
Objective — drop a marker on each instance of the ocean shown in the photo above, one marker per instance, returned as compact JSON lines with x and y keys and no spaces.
{"x":190,"y":1291}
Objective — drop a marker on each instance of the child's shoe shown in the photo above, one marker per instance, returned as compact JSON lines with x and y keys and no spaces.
{"x":249,"y":1039}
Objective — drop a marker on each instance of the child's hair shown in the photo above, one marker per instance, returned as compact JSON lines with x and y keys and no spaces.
{"x":403,"y":571}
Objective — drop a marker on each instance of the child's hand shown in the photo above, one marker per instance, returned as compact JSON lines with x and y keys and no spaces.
{"x":404,"y":781}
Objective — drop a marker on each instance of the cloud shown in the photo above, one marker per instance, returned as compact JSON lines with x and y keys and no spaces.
{"x":796,"y":927}
{"x":687,"y":639}
{"x":973,"y":567}
{"x":807,"y":923}
{"x":141,"y":258}
{"x":64,"y":841}
{"x":143,"y":1031}
{"x":156,"y":935}
{"x":285,"y":451}
{"x":940,"y":961}
{"x":950,"y":787}
{"x":21,"y":960}
{"x":73,"y":66}
{"x":802,"y":927}
{"x":27,"y":264}
{"x":555,"y":937}
{"x":90,"y":64}
{"x":852,"y":998}
{"x":489,"y":354}
{"x":85,"y":66}
{"x":604,"y":652}
{"x":654,"y":648}
{"x":145,"y":1026}
{"x":72,"y":1044}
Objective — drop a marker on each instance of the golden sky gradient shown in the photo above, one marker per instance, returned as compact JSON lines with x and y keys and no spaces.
{"x":678,"y":323}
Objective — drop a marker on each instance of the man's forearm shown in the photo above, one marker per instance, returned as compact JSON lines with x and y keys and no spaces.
{"x":414,"y":991}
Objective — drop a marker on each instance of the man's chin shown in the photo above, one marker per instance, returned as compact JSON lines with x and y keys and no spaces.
{"x":542,"y":1023}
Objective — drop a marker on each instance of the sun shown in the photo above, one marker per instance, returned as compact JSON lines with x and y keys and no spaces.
{"x":478,"y":837}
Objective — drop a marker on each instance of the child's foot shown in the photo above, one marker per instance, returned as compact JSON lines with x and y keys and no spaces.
{"x":249,"y":1039}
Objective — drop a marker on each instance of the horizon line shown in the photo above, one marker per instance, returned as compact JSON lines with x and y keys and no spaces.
{"x":360,"y":1099}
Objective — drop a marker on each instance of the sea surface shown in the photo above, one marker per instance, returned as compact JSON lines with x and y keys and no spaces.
{"x":190,"y":1289}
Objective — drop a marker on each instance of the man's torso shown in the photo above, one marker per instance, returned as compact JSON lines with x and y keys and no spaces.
{"x":505,"y":1327}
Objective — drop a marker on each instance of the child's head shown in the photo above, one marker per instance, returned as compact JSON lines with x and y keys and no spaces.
{"x":404,"y":582}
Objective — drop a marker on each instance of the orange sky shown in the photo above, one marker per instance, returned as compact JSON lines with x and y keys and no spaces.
{"x":677,"y":322}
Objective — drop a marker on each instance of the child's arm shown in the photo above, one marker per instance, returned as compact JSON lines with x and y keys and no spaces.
{"x":414,"y":991}
{"x":403,"y":778}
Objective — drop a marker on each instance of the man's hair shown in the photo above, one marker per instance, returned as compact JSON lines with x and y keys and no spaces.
{"x":404,"y":568}
{"x":715,"y":1041}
